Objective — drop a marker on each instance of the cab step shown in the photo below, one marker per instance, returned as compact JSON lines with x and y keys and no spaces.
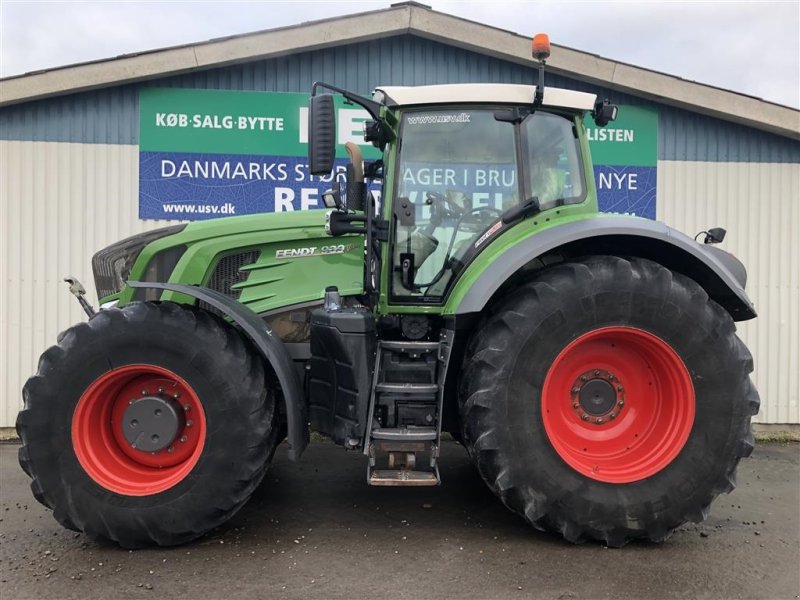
{"x":404,"y":416}
{"x":402,"y":477}
{"x":410,"y":347}
{"x":408,"y":388}
{"x":405,"y":434}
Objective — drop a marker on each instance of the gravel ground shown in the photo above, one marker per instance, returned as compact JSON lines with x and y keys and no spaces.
{"x":316,"y":530}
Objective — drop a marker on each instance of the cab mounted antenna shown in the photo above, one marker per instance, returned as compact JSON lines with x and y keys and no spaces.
{"x":540,"y":50}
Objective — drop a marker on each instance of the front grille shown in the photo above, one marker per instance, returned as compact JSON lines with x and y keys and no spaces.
{"x":226,"y":274}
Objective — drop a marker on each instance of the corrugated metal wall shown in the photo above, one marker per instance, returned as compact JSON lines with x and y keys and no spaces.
{"x":759,"y":206}
{"x":59,"y":203}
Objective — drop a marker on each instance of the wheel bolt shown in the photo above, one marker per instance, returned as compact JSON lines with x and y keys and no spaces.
{"x":620,"y":403}
{"x":576,"y":405}
{"x":598,"y":420}
{"x":170,"y":449}
{"x":596,"y":373}
{"x":583,"y":377}
{"x":189,"y":423}
{"x":612,"y":416}
{"x":161,"y":390}
{"x":575,"y":390}
{"x":611,"y":377}
{"x":619,"y":388}
{"x":185,"y":408}
{"x":184,"y":438}
{"x":176,"y":395}
{"x":144,"y":392}
{"x":585,"y":417}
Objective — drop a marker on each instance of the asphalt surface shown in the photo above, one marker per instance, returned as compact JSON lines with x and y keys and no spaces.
{"x":316,"y":530}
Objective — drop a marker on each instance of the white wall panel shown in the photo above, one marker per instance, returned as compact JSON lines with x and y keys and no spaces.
{"x":59,"y":203}
{"x":759,"y":205}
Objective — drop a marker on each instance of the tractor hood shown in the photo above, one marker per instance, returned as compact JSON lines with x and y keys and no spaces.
{"x":266,"y":261}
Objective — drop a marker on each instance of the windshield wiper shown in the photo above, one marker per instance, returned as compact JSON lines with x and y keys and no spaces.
{"x":521,"y":211}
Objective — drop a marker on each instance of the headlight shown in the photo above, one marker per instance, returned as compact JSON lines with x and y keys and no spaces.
{"x":112,"y":265}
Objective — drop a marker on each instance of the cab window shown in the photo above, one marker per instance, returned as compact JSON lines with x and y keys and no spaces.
{"x":457,"y":173}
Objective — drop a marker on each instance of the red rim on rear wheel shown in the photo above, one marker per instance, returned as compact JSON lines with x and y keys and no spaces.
{"x":138,"y":430}
{"x":618,"y":404}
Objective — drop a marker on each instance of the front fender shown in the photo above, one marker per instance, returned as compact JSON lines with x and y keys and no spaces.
{"x":719,"y":273}
{"x":269,"y":345}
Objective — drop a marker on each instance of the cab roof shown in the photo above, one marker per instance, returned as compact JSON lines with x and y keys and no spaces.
{"x":484,"y":93}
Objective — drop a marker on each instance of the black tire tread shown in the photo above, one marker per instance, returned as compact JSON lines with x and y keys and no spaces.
{"x":480,"y":385}
{"x":233,"y":353}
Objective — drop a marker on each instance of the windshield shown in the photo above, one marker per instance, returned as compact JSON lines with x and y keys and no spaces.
{"x":457,"y":174}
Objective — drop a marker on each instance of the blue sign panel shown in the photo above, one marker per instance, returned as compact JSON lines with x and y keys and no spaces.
{"x":626,"y":190}
{"x":207,"y":186}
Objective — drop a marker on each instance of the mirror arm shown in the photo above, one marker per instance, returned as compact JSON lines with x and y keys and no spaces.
{"x":372,"y":107}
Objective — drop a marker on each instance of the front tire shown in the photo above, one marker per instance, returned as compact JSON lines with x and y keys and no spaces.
{"x":149,"y":424}
{"x":608,"y":399}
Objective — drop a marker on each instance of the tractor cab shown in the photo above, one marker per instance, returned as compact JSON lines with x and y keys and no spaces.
{"x":461,"y":165}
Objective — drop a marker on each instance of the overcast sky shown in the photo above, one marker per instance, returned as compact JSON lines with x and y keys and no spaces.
{"x":750,"y":47}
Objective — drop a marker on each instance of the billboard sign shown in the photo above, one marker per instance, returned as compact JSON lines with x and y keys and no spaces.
{"x":625,"y":155}
{"x":212,"y":153}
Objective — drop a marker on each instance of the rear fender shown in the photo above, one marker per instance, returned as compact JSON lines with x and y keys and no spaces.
{"x":269,"y":345}
{"x":721,"y":275}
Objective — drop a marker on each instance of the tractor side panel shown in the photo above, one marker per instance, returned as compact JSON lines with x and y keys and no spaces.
{"x":296,"y":271}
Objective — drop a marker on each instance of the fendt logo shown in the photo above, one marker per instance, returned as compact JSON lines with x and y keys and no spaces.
{"x":295,"y":252}
{"x":314,"y":251}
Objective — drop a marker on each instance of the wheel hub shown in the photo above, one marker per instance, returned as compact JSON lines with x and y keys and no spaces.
{"x":597,"y":396}
{"x":152,"y":423}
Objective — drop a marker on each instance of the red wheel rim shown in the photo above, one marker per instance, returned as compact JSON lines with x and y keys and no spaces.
{"x":618,"y":404}
{"x":104,"y":452}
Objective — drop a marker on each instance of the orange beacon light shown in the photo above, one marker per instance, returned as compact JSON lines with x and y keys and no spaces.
{"x":540,"y":49}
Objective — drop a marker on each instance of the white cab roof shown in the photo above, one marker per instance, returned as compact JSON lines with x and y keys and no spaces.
{"x":491,"y":93}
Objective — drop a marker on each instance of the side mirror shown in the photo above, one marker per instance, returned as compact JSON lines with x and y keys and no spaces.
{"x":715,"y":235}
{"x":321,"y":134}
{"x":604,"y":113}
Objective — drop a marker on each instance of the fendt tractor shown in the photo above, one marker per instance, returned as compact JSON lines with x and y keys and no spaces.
{"x":588,"y":362}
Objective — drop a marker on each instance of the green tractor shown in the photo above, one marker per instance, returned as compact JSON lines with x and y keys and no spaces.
{"x":588,"y":362}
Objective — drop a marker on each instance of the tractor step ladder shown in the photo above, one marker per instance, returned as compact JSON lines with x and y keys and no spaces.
{"x":401,"y":445}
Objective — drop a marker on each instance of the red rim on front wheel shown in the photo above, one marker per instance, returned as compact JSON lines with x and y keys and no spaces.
{"x":618,"y":404}
{"x":138,"y":430}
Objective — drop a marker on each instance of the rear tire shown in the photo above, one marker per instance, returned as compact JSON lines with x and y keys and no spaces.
{"x":187,"y":363}
{"x":608,"y":399}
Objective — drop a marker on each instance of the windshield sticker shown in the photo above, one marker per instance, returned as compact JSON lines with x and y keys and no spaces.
{"x":489,"y":233}
{"x":438,"y":118}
